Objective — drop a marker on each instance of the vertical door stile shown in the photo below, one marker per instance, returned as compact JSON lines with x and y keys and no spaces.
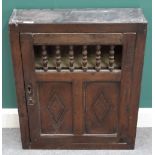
{"x":78,"y":109}
{"x":30,"y":85}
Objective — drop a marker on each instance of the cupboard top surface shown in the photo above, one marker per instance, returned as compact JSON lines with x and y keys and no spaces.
{"x":52,"y":16}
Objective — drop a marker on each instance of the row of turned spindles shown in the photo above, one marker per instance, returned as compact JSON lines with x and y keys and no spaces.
{"x":84,"y":58}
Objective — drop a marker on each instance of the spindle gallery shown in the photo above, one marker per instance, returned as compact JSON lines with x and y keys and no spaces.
{"x":78,"y":74}
{"x":77,"y":58}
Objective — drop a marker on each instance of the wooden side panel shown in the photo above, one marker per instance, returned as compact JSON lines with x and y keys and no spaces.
{"x":19,"y":81}
{"x":55,"y":99}
{"x":101,"y":107}
{"x":136,"y":85}
{"x":126,"y":85}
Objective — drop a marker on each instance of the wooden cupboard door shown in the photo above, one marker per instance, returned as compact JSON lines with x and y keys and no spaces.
{"x":76,"y":112}
{"x":55,"y":101}
{"x":101,"y":101}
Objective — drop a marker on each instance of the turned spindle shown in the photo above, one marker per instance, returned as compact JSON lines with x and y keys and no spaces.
{"x":111,"y":58}
{"x":44,"y":58}
{"x":71,"y":58}
{"x":84,"y":58}
{"x":58,"y":58}
{"x":98,"y":58}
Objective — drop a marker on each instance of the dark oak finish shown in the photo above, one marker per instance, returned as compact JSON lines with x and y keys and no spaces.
{"x":78,"y":76}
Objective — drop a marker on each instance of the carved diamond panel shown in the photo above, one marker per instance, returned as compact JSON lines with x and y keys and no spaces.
{"x":101,"y":108}
{"x":56,"y":109}
{"x":55,"y":106}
